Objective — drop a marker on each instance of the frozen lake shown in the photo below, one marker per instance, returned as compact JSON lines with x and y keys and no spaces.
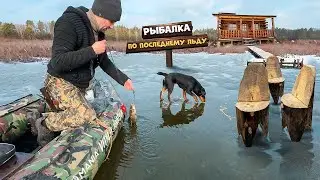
{"x":198,"y":144}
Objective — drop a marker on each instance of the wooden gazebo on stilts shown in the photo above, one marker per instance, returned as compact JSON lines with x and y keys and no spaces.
{"x":244,"y":29}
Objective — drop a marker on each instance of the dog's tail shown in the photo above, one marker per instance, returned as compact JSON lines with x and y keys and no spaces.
{"x":163,"y":74}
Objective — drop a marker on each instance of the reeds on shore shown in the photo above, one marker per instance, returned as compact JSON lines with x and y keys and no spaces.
{"x":31,"y":50}
{"x":24,"y":50}
{"x":299,"y":47}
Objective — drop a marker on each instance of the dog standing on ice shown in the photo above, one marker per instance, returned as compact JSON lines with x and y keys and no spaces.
{"x":187,"y":83}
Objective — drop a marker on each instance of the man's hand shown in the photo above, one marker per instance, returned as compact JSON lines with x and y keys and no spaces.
{"x":99,"y":47}
{"x":128,"y":85}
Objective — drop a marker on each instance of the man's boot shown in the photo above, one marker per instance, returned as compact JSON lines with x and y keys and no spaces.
{"x":44,"y":134}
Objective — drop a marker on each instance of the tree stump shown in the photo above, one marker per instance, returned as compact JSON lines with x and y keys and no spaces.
{"x":295,"y":119}
{"x":253,"y":103}
{"x":276,"y":90}
{"x":247,"y":124}
{"x":297,"y":106}
{"x":275,"y":78}
{"x":310,"y":109}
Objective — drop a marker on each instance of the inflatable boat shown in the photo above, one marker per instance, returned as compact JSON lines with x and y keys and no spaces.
{"x":72,"y":154}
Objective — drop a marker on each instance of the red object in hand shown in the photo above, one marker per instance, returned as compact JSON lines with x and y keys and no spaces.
{"x":123,"y":108}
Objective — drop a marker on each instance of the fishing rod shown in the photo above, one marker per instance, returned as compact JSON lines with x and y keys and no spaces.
{"x":112,"y":60}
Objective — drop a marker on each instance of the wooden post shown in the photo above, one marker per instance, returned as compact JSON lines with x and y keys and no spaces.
{"x":218,"y":31}
{"x":273,"y":33}
{"x":169,"y":58}
{"x":253,"y":29}
{"x":241,"y":30}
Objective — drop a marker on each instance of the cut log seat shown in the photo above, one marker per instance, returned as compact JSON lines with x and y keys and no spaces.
{"x":275,"y":78}
{"x":297,"y":106}
{"x":253,"y":102}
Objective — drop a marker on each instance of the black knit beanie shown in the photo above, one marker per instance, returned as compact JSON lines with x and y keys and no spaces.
{"x":107,"y":9}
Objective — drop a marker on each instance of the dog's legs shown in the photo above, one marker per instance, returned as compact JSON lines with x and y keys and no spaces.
{"x":184,"y":93}
{"x":170,"y":86}
{"x":189,"y":91}
{"x":195,"y":98}
{"x":183,"y":107}
{"x":169,"y":98}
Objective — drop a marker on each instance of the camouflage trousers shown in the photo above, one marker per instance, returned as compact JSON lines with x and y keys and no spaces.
{"x":75,"y":110}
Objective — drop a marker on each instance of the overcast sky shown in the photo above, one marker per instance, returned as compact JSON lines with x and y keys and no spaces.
{"x":290,"y":13}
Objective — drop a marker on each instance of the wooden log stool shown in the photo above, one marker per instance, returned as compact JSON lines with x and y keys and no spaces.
{"x":253,"y":102}
{"x":296,"y":107}
{"x":275,"y":78}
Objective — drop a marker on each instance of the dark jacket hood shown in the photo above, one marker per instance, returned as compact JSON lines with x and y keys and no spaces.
{"x":80,"y":11}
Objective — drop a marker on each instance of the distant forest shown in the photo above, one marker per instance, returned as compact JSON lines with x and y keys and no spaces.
{"x":44,"y":30}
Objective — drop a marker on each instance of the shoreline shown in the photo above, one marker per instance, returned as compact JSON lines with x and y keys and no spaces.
{"x":18,"y":50}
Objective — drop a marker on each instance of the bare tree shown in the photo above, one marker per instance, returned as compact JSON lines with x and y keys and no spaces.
{"x":20,"y":28}
{"x":51,"y":28}
{"x":40,"y":27}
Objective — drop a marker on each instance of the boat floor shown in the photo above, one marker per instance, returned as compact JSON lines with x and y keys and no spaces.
{"x":14,"y":163}
{"x":26,"y":147}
